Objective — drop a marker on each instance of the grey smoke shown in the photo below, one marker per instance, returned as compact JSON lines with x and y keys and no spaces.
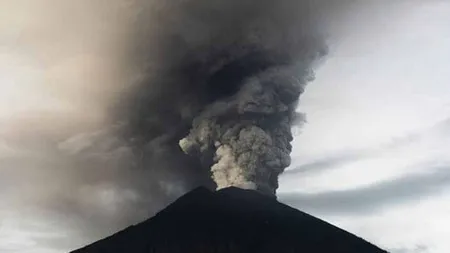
{"x":107,"y":89}
{"x":222,"y":80}
{"x":249,"y":134}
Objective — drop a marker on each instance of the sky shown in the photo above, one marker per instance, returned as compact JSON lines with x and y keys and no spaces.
{"x":371,"y":157}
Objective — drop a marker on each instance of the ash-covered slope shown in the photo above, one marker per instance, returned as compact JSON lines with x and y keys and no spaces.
{"x":231,"y":220}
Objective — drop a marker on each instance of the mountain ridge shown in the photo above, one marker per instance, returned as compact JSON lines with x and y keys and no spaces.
{"x":231,"y":220}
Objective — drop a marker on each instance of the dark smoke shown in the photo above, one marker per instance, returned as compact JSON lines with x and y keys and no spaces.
{"x":222,"y":80}
{"x":100,"y":93}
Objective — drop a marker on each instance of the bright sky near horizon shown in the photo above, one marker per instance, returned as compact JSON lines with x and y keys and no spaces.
{"x":373,"y":157}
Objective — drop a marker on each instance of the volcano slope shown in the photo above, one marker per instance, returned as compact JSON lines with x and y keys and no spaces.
{"x":231,"y":220}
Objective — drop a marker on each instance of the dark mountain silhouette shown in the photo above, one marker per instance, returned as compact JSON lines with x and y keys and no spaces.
{"x":231,"y":220}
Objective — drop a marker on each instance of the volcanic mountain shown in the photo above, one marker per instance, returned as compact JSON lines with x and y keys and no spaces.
{"x":231,"y":220}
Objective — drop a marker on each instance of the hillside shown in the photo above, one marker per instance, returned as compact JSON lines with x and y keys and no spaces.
{"x":231,"y":220}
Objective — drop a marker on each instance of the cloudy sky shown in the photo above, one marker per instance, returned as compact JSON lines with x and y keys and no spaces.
{"x":374,"y":155}
{"x":371,"y":157}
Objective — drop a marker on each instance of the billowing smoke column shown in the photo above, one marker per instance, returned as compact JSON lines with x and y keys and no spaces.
{"x":222,"y":80}
{"x":247,"y":135}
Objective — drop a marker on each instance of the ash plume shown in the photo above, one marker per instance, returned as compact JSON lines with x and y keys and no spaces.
{"x":96,"y":96}
{"x":221,"y":81}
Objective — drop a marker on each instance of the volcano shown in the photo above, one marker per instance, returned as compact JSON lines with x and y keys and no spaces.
{"x":231,"y":220}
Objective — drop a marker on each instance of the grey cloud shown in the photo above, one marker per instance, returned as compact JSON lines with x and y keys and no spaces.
{"x":227,"y":76}
{"x":416,"y":249}
{"x":330,"y":162}
{"x":89,"y":183}
{"x":327,"y":163}
{"x":360,"y":201}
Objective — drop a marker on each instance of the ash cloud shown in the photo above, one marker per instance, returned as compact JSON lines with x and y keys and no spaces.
{"x":103,"y":92}
{"x":222,"y":79}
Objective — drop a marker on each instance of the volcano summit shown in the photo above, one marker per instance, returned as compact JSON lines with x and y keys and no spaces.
{"x":231,"y":220}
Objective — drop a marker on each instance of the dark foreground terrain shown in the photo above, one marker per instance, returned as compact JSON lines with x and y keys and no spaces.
{"x":231,"y":220}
